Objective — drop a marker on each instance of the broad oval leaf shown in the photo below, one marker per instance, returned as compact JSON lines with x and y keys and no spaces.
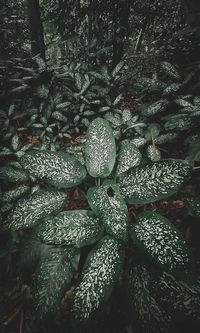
{"x":129,"y":156}
{"x":155,"y":108}
{"x":109,"y":205}
{"x":148,"y":316}
{"x":31,"y":210}
{"x":153,"y":153}
{"x":15,"y":144}
{"x":52,"y":278}
{"x":139,"y":141}
{"x":16,"y":193}
{"x":100,"y":273}
{"x":157,"y":237}
{"x":100,"y":149}
{"x":75,"y":227}
{"x":55,"y":168}
{"x":13,"y":175}
{"x":153,"y":181}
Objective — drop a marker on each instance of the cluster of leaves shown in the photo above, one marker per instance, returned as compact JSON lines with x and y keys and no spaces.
{"x":14,"y":30}
{"x":54,"y":103}
{"x":54,"y":244}
{"x":176,"y":102}
{"x":158,"y":21}
{"x":83,"y":34}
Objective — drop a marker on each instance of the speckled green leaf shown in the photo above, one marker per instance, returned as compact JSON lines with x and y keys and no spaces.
{"x":144,"y":310}
{"x":192,"y":205}
{"x":178,"y":298}
{"x":170,"y":70}
{"x":129,"y":156}
{"x":181,"y":124}
{"x":56,"y":168}
{"x":100,"y":273}
{"x":153,"y":153}
{"x":13,"y":175}
{"x":154,"y":108}
{"x":165,"y":138}
{"x":172,"y":89}
{"x":52,"y":278}
{"x":14,"y":194}
{"x":153,"y":181}
{"x":157,"y":237}
{"x":31,"y":210}
{"x":15,"y":142}
{"x":31,"y":251}
{"x":75,"y":227}
{"x":109,"y":205}
{"x":100,"y":149}
{"x":139,"y":141}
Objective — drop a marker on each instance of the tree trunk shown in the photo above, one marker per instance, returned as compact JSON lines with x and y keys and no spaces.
{"x":36,"y":28}
{"x":121,"y":28}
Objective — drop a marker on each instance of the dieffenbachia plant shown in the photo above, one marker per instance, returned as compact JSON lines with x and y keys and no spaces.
{"x":120,"y":177}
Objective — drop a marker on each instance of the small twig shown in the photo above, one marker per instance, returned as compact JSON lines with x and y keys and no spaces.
{"x":21,"y":322}
{"x":6,"y":323}
{"x":195,"y":168}
{"x":154,"y":147}
{"x":139,"y":41}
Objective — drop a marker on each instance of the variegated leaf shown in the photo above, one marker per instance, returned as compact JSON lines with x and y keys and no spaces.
{"x":75,"y":227}
{"x":153,"y":181}
{"x":144,"y":309}
{"x":129,"y":156}
{"x":165,"y":138}
{"x":31,"y":210}
{"x":99,"y":275}
{"x":139,"y":141}
{"x":157,"y":237}
{"x":13,"y":175}
{"x":52,"y":278}
{"x":56,"y":168}
{"x":12,"y":195}
{"x":100,"y":149}
{"x":109,"y":205}
{"x":153,"y":153}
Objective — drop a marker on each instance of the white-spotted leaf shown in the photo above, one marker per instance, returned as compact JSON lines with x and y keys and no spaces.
{"x":75,"y":227}
{"x":100,"y":149}
{"x":99,"y":275}
{"x":109,"y":205}
{"x":129,"y":156}
{"x":154,"y":180}
{"x":16,"y":193}
{"x":147,"y":313}
{"x":55,"y":168}
{"x":52,"y":278}
{"x":30,"y":210}
{"x":13,"y":175}
{"x":158,"y":238}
